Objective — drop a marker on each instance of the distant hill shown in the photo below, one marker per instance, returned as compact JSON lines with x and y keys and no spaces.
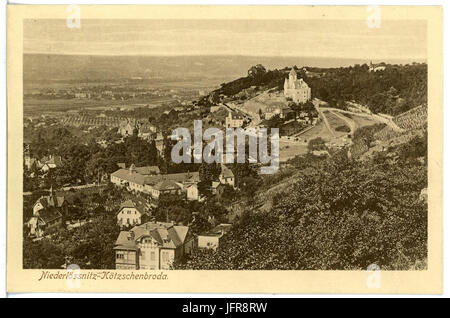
{"x":48,"y":67}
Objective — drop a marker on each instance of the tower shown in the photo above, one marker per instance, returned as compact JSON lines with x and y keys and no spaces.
{"x":292,"y":77}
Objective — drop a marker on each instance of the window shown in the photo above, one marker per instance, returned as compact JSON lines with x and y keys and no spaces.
{"x":119,"y":255}
{"x":143,"y":255}
{"x":152,"y":256}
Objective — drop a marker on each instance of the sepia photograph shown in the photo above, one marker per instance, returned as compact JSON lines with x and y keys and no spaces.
{"x":165,"y":145}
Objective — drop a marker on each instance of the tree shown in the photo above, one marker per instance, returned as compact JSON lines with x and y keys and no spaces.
{"x":257,"y":71}
{"x":316,"y":144}
{"x":200,"y":225}
{"x":209,"y":172}
{"x":172,"y":208}
{"x":343,"y":217}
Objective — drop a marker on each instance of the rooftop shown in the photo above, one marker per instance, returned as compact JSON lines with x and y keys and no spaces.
{"x":165,"y":235}
{"x":49,"y":214}
{"x":219,"y":230}
{"x":138,"y":205}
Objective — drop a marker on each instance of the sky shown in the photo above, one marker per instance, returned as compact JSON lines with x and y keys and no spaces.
{"x":399,"y":39}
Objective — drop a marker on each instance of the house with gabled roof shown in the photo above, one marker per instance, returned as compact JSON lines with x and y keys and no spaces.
{"x":51,"y":200}
{"x":50,"y":162}
{"x":45,"y":221}
{"x":173,"y":183}
{"x":226,"y":176}
{"x":234,"y":120}
{"x":149,"y":180}
{"x":147,"y":131}
{"x":130,"y":178}
{"x":127,"y":127}
{"x":153,"y":245}
{"x":211,"y":238}
{"x":48,"y":214}
{"x":132,"y":212}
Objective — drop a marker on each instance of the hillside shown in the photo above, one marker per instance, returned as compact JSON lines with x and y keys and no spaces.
{"x":394,"y":90}
{"x":345,"y":211}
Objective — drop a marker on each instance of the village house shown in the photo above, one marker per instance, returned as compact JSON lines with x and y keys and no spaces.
{"x":192,"y":192}
{"x":211,"y":238}
{"x":226,"y":176}
{"x":376,"y":67}
{"x":175,"y":183}
{"x":312,"y":74}
{"x":281,"y":110}
{"x":131,"y":213}
{"x":134,"y":177}
{"x":234,"y":120}
{"x":48,"y":214}
{"x":152,"y":246}
{"x":44,"y":221}
{"x":271,"y":111}
{"x":147,"y":131}
{"x":49,"y":162}
{"x":51,"y":200}
{"x":163,"y":187}
{"x":128,"y":178}
{"x":126,"y":128}
{"x":149,"y":180}
{"x":296,"y":89}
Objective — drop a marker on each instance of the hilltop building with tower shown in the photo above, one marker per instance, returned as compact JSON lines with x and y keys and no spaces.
{"x":296,"y":89}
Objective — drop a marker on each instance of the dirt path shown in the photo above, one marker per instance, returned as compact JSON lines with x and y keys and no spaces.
{"x":316,"y":104}
{"x":349,"y":122}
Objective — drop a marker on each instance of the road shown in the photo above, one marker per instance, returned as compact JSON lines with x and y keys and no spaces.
{"x":83,"y":186}
{"x":373,"y":117}
{"x":316,"y":103}
{"x":349,"y":122}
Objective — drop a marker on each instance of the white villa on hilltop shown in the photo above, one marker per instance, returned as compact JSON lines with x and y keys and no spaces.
{"x":296,"y":89}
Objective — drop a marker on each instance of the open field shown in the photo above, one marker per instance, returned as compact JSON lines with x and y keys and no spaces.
{"x":336,"y":122}
{"x":38,"y":106}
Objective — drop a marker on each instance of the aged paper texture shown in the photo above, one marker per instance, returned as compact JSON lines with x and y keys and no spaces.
{"x":233,"y":149}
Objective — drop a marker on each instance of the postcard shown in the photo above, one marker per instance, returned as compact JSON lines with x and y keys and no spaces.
{"x":224,"y":149}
